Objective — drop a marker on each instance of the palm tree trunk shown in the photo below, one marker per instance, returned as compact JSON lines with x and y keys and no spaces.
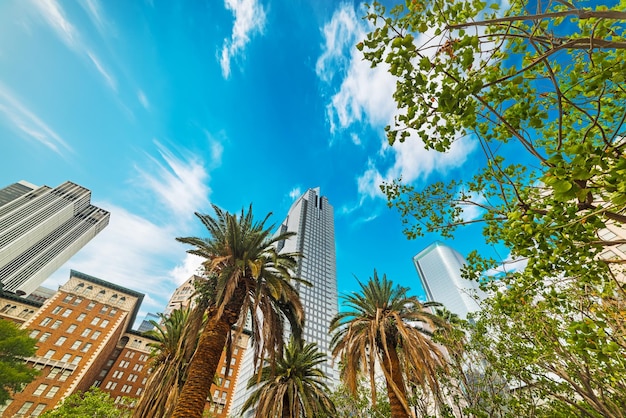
{"x":206,"y":360}
{"x":397,"y":400}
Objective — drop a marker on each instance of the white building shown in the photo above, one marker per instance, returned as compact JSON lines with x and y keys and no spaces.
{"x":41,"y":228}
{"x":311,"y":218}
{"x":439,"y":269}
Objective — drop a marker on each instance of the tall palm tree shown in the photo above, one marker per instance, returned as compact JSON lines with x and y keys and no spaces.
{"x":294,"y":387}
{"x":176,"y":336}
{"x":385,"y":327}
{"x":252,"y":277}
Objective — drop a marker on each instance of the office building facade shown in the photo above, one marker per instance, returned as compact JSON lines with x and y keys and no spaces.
{"x":41,"y":228}
{"x":439,"y":269}
{"x":311,"y":217}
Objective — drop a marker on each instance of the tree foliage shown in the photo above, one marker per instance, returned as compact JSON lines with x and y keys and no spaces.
{"x":540,"y":87}
{"x":93,"y":403}
{"x":348,"y":405}
{"x":15,"y":344}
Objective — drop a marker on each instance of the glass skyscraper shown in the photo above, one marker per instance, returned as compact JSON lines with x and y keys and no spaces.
{"x":41,"y":228}
{"x":311,"y":218}
{"x":439,"y":269}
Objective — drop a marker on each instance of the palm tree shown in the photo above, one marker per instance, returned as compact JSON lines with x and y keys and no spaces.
{"x":293,"y":387}
{"x":385,"y":327}
{"x":252,"y":277}
{"x":176,"y":336}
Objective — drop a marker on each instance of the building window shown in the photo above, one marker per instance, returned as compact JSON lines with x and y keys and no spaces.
{"x":77,"y":360}
{"x":67,"y":299}
{"x":104,"y":323}
{"x":124,"y":364}
{"x":38,"y":410}
{"x":34,"y":333}
{"x":57,"y":310}
{"x":67,"y":313}
{"x":53,"y":391}
{"x":4,"y":406}
{"x":44,"y":337}
{"x":45,"y":322}
{"x":49,"y":354}
{"x":40,"y":389}
{"x":86,"y":347}
{"x":71,"y":328}
{"x":81,"y":317}
{"x":66,"y":358}
{"x":104,"y":309}
{"x":77,"y":301}
{"x":95,"y":335}
{"x":60,"y":341}
{"x":117,"y":374}
{"x":91,"y":305}
{"x":139,"y":391}
{"x":227,"y":383}
{"x":103,"y":373}
{"x":85,"y":332}
{"x":24,"y":409}
{"x":65,"y":375}
{"x":56,"y":324}
{"x":95,"y":321}
{"x":111,"y":385}
{"x":76,"y":344}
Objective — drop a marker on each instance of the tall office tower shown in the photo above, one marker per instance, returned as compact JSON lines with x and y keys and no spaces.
{"x":439,"y":270}
{"x":311,"y":218}
{"x":41,"y":228}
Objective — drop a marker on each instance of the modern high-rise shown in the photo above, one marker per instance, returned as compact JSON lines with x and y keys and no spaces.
{"x":439,"y":269}
{"x":41,"y":228}
{"x":311,"y":218}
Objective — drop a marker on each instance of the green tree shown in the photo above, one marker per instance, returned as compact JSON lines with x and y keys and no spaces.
{"x":540,"y":87}
{"x":384,"y":326}
{"x":360,"y":404}
{"x":15,"y":344}
{"x":251,"y":277}
{"x":293,"y":387}
{"x":91,"y":404}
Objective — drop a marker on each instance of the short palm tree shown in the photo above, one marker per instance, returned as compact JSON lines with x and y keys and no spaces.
{"x":252,"y":278}
{"x":383,"y":327}
{"x":293,"y":387}
{"x":176,"y":336}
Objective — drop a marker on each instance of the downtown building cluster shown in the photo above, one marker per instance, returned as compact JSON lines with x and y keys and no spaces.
{"x":85,"y":329}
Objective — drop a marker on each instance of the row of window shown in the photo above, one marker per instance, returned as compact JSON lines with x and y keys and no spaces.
{"x":95,"y":321}
{"x":94,"y":336}
{"x":131,"y":377}
{"x":66,"y":357}
{"x":10,"y":310}
{"x":27,"y":406}
{"x":113,"y":299}
{"x":124,"y":389}
{"x":92,"y":304}
{"x":42,"y":388}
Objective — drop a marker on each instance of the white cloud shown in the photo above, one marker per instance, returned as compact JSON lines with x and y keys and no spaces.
{"x":295,"y":193}
{"x":249,"y":19}
{"x":365,"y":96}
{"x":54,"y":15}
{"x":179,"y":184}
{"x":189,"y":266}
{"x":26,"y":122}
{"x":143,"y":99}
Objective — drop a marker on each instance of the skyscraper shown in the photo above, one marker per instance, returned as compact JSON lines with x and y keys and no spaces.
{"x":439,"y":269}
{"x":41,"y":228}
{"x":311,"y":218}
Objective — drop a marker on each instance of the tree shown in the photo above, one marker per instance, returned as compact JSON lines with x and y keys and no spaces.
{"x":91,"y":404}
{"x":348,"y":405}
{"x":293,"y":387}
{"x":540,"y":87}
{"x":251,"y":277}
{"x":177,"y":336}
{"x":15,"y":345}
{"x":383,"y":326}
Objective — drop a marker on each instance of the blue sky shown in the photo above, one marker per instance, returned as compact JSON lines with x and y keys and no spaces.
{"x":163,"y":108}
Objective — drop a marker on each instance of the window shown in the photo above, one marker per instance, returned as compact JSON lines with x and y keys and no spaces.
{"x":230,"y":372}
{"x":111,"y":385}
{"x":66,"y":358}
{"x":77,"y":360}
{"x":91,"y":305}
{"x":77,"y":301}
{"x":56,"y":324}
{"x":130,"y":377}
{"x":95,"y":321}
{"x":124,"y":388}
{"x":104,"y":323}
{"x":85,"y":332}
{"x":53,"y":391}
{"x":60,"y":341}
{"x":86,"y":347}
{"x":103,"y":373}
{"x":65,"y":375}
{"x":38,"y":410}
{"x":57,"y":310}
{"x":67,"y":299}
{"x":81,"y":317}
{"x":227,"y":384}
{"x":44,"y":337}
{"x":4,"y":406}
{"x":40,"y":389}
{"x":38,"y":367}
{"x":117,"y":374}
{"x":139,"y":391}
{"x":95,"y":335}
{"x":138,"y":367}
{"x":25,"y":408}
{"x":71,"y":328}
{"x":104,"y":309}
{"x":34,"y":333}
{"x":76,"y":344}
{"x":124,"y":364}
{"x":129,"y":388}
{"x":49,"y":354}
{"x":112,"y":312}
{"x":45,"y":322}
{"x":53,"y":373}
{"x":67,"y":313}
